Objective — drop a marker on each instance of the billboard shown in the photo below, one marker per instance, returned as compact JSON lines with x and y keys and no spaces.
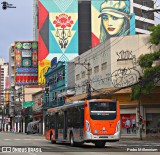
{"x":58,"y":30}
{"x":26,"y":62}
{"x":111,"y":18}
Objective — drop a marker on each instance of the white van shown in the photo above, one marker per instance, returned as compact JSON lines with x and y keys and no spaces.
{"x":33,"y":127}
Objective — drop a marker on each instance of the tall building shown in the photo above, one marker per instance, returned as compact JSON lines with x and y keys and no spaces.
{"x":85,"y":26}
{"x":142,"y":19}
{"x":11,"y":79}
{"x":3,"y":92}
{"x":35,"y":20}
{"x":3,"y":75}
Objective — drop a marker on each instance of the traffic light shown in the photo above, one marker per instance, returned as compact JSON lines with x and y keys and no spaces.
{"x":46,"y":92}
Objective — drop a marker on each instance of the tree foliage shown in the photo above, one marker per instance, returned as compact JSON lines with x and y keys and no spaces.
{"x":155,"y":35}
{"x":148,"y":80}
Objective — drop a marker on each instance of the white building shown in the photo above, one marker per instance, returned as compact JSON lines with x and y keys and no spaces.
{"x":113,"y":64}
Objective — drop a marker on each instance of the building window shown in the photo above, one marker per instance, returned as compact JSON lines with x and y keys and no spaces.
{"x":145,"y":26}
{"x":144,"y":13}
{"x":96,"y":69}
{"x":83,"y":74}
{"x":144,"y":3}
{"x":104,"y":66}
{"x":77,"y":77}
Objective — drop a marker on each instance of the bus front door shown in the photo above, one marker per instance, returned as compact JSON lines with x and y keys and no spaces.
{"x":65,"y":125}
{"x":56,"y":126}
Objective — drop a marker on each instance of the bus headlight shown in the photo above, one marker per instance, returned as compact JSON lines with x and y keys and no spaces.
{"x":118,"y":126}
{"x":88,"y":126}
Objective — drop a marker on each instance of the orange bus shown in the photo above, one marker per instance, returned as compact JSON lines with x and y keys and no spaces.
{"x":95,"y":120}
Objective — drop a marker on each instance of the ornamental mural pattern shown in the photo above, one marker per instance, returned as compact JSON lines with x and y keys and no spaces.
{"x":26,"y":63}
{"x":58,"y":32}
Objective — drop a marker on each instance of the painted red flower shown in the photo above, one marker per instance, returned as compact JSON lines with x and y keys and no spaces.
{"x":63,"y":21}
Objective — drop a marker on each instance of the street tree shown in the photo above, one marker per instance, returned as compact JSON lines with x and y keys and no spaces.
{"x":151,"y":73}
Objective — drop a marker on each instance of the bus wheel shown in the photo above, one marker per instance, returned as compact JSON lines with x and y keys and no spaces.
{"x":51,"y":137}
{"x":72,"y":140}
{"x":100,"y":144}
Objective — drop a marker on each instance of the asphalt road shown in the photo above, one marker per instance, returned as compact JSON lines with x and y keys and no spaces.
{"x":12,"y":143}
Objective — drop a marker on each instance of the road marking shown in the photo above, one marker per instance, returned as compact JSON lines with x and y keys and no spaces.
{"x":7,"y":139}
{"x":32,"y":153}
{"x":16,"y":139}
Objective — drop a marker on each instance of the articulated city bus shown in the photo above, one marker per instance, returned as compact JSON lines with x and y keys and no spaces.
{"x":96,"y":121}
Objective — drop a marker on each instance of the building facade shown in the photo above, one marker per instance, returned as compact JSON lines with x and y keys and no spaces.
{"x":114,"y":66}
{"x":59,"y":79}
{"x":37,"y":110}
{"x":3,"y":95}
{"x":15,"y":93}
{"x":11,"y":84}
{"x":85,"y":27}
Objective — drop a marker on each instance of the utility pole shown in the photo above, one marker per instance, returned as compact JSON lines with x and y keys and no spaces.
{"x":139,"y":109}
{"x":89,"y":96}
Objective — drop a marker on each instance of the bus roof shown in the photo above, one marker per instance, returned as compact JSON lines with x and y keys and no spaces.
{"x":76,"y":103}
{"x":65,"y":106}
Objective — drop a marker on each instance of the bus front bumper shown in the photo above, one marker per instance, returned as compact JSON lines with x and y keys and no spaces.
{"x":90,"y":136}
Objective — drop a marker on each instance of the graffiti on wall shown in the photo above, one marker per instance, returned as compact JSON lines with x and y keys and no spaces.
{"x":124,"y":77}
{"x":126,"y":55}
{"x":127,"y":75}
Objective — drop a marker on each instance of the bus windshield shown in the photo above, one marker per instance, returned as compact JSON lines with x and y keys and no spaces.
{"x":103,"y":110}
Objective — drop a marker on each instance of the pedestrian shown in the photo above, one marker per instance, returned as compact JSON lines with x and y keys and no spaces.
{"x":133,"y":125}
{"x":127,"y":125}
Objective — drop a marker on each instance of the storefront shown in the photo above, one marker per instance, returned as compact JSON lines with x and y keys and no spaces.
{"x":39,"y":118}
{"x":129,"y":121}
{"x":128,"y":124}
{"x":153,"y":122}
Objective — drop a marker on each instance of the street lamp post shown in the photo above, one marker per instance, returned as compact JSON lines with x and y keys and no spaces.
{"x":139,"y":109}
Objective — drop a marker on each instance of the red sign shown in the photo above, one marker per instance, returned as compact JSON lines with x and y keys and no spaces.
{"x":128,"y":120}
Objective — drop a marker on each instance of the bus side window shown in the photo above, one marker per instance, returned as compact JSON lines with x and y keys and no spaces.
{"x":82,"y":115}
{"x":52,"y":124}
{"x":60,"y":120}
{"x":69,"y":117}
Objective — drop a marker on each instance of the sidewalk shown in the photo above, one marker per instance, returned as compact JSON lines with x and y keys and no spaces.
{"x":24,"y":133}
{"x":122,"y":139}
{"x":143,"y":139}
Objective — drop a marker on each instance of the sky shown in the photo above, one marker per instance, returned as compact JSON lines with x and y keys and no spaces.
{"x":17,"y":24}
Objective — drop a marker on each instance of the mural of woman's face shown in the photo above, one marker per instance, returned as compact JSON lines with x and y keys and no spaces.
{"x":112,"y":23}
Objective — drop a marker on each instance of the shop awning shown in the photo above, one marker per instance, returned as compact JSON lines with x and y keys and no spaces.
{"x":104,"y":93}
